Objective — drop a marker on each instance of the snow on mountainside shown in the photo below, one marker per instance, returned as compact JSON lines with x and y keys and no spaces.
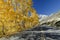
{"x":54,"y":16}
{"x":51,"y":20}
{"x":42,"y":17}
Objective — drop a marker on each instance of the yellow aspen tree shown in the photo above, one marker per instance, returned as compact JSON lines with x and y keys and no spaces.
{"x":16,"y":16}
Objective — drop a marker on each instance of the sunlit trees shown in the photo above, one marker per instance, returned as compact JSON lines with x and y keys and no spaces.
{"x":16,"y":15}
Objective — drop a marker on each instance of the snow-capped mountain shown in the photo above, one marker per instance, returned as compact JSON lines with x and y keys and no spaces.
{"x":42,"y":17}
{"x":53,"y":19}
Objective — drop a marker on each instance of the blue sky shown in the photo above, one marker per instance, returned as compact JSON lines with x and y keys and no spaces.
{"x":46,"y":7}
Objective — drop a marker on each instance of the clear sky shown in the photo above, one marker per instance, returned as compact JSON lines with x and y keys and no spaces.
{"x":46,"y":6}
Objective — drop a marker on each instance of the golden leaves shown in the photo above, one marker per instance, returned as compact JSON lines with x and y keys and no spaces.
{"x":14,"y":16}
